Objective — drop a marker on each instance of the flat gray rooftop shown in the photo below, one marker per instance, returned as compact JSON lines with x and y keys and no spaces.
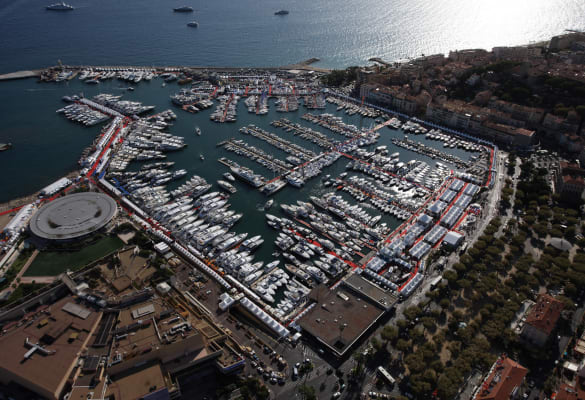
{"x":73,"y":216}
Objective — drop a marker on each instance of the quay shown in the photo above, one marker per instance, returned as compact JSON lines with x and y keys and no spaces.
{"x":35,"y":73}
{"x":21,"y":75}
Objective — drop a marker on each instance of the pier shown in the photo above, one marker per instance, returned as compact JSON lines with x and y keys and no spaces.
{"x":21,"y":75}
{"x":306,"y":133}
{"x":278,"y":142}
{"x":255,"y":155}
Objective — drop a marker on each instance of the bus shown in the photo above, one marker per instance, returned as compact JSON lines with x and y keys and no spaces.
{"x":435,"y":282}
{"x":386,"y":375}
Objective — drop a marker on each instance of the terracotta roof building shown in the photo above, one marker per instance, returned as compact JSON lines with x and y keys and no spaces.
{"x":542,"y":320}
{"x":568,"y":392}
{"x":570,"y":181}
{"x":503,"y":381}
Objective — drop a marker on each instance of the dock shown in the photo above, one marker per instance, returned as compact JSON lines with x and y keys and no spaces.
{"x":318,"y":138}
{"x":256,"y":155}
{"x":279,"y":142}
{"x":21,"y":75}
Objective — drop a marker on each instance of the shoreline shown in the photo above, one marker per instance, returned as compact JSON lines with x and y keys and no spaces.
{"x":301,"y":65}
{"x":304,"y":65}
{"x":30,"y":198}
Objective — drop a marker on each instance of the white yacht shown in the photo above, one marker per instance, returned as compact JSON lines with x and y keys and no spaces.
{"x":60,"y":7}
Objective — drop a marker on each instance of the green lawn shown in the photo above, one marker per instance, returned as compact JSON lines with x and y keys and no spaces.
{"x":52,"y":263}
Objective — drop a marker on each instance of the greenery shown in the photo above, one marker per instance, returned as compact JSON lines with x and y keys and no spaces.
{"x":53,"y":263}
{"x":253,"y":388}
{"x":307,"y":392}
{"x":340,"y":77}
{"x":21,"y":291}
{"x":16,"y":267}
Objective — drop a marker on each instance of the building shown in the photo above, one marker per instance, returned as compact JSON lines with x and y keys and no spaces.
{"x":516,"y":52}
{"x":41,"y":350}
{"x":573,"y":392}
{"x":468,"y":55}
{"x":569,"y":181}
{"x":73,"y":216}
{"x":503,"y":382}
{"x":508,"y":135}
{"x":455,"y":114}
{"x":432,"y":60}
{"x":340,"y":317}
{"x":542,"y":320}
{"x":532,"y":116}
{"x":389,"y":96}
{"x":554,"y":125}
{"x":565,"y":41}
{"x":101,"y":344}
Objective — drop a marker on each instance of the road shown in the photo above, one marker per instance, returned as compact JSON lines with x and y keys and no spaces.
{"x":16,"y":280}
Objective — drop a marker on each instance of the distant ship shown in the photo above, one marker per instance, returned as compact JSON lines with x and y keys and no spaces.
{"x":193,"y":24}
{"x":281,"y":12}
{"x":184,"y":9}
{"x":60,"y":7}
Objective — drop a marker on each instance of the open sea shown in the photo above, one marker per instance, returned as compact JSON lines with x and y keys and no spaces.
{"x":231,"y":33}
{"x":247,"y":33}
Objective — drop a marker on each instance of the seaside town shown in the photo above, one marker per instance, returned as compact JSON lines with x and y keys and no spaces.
{"x":419,"y":234}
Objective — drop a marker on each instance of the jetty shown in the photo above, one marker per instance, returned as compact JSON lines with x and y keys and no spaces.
{"x":21,"y":75}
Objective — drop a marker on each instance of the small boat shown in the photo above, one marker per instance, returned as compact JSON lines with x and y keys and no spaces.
{"x":201,"y":157}
{"x":281,"y":12}
{"x":226,"y":186}
{"x":130,"y":89}
{"x":268,"y":204}
{"x":183,"y":9}
{"x":229,"y":177}
{"x":198,"y":131}
{"x":193,"y":24}
{"x":5,"y":146}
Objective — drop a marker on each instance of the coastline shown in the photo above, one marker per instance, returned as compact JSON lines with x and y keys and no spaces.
{"x":23,"y":200}
{"x":301,"y":65}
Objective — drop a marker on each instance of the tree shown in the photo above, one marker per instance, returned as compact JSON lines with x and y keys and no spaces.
{"x":402,"y":345}
{"x":389,"y":333}
{"x":307,"y":392}
{"x":376,"y":344}
{"x":412,"y":312}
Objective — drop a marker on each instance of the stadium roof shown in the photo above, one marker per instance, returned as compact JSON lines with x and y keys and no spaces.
{"x":73,"y":216}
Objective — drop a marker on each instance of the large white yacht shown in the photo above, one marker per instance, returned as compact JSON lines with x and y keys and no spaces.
{"x":60,"y":7}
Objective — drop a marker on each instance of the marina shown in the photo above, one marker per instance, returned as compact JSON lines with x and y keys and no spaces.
{"x":361,"y":216}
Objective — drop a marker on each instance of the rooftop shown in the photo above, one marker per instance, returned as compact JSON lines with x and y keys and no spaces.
{"x":545,"y":313}
{"x":504,"y":377}
{"x":375,"y":294}
{"x":52,"y":334}
{"x":339,"y":317}
{"x":73,"y":216}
